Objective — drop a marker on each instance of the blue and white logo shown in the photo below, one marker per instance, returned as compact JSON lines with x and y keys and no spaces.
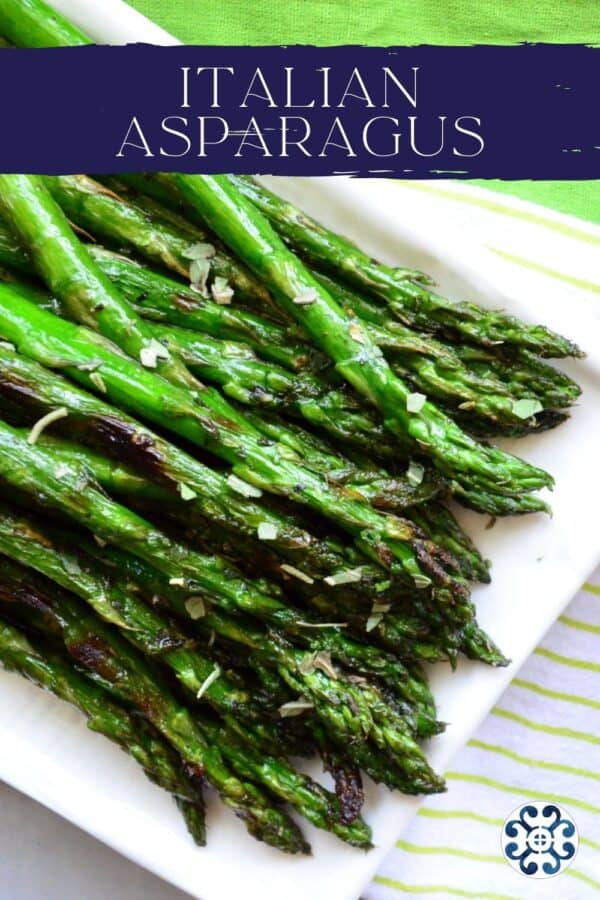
{"x":539,"y":839}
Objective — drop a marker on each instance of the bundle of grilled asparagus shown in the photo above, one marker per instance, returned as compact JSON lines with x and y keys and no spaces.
{"x":228,"y":444}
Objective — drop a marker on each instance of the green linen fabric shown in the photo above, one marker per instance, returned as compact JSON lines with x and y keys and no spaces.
{"x":380,"y":23}
{"x":400,"y":22}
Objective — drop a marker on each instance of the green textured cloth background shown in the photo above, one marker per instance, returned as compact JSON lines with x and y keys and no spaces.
{"x":401,"y":22}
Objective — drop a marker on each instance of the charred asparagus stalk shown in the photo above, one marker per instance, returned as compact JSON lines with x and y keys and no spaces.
{"x":118,"y":667}
{"x":137,"y":738}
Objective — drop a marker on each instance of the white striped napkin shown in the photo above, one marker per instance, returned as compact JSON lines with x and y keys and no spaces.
{"x":542,"y":740}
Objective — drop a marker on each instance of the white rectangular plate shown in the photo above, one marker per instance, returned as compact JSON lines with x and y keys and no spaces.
{"x":538,"y":563}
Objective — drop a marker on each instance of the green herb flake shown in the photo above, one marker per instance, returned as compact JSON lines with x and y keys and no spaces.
{"x":348,"y":576}
{"x":152,"y":352}
{"x":242,"y":487}
{"x":378,"y":611}
{"x":199,"y":272}
{"x":356,"y":333}
{"x":196,"y":607}
{"x":415,"y":402}
{"x":373,"y":621}
{"x":71,"y":565}
{"x":296,"y":573}
{"x":267,"y":531}
{"x":208,"y":681}
{"x":199,"y":251}
{"x":98,"y":382}
{"x":307,"y":666}
{"x":185,"y":492}
{"x":322,"y":661}
{"x":221,"y":292}
{"x":44,"y":422}
{"x":305,"y":298}
{"x":415,"y":473}
{"x":421,"y":581}
{"x":295,"y":708}
{"x":526,"y":408}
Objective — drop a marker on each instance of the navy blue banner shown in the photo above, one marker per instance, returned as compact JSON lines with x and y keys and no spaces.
{"x":528,"y":111}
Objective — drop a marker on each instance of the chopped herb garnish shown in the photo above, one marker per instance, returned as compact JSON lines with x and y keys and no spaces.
{"x":306,"y":298}
{"x":356,"y":333}
{"x":152,"y":352}
{"x":296,"y":573}
{"x":199,"y":251}
{"x":378,"y":611}
{"x":44,"y":422}
{"x":526,"y":408}
{"x":242,"y":487}
{"x":421,"y":581}
{"x":208,"y":681}
{"x":348,"y":576}
{"x":415,"y":473}
{"x":185,"y":492}
{"x":196,"y":607}
{"x":267,"y":531}
{"x":98,"y":382}
{"x":199,"y":272}
{"x":295,"y":708}
{"x":373,"y":621}
{"x":221,"y":291}
{"x":71,"y":565}
{"x":415,"y":402}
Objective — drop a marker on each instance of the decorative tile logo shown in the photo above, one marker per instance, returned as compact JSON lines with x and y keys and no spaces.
{"x":539,"y":839}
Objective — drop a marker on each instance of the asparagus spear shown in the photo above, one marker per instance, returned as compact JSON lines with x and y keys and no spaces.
{"x":410,"y":301}
{"x":356,"y":356}
{"x":150,"y":631}
{"x":302,"y":670}
{"x":521,"y":375}
{"x":32,"y":23}
{"x":127,"y":384}
{"x":429,"y":366}
{"x":134,"y":736}
{"x":239,"y":373}
{"x":248,"y":380}
{"x":433,"y":368}
{"x":21,"y":380}
{"x":445,"y":530}
{"x":114,"y":219}
{"x":122,"y":670}
{"x":29,"y":542}
{"x":342,"y":706}
{"x":104,"y":213}
{"x":70,"y":272}
{"x":84,"y":289}
{"x":36,"y":391}
{"x":120,"y":221}
{"x":161,"y":469}
{"x":530,"y":375}
{"x":69,"y":489}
